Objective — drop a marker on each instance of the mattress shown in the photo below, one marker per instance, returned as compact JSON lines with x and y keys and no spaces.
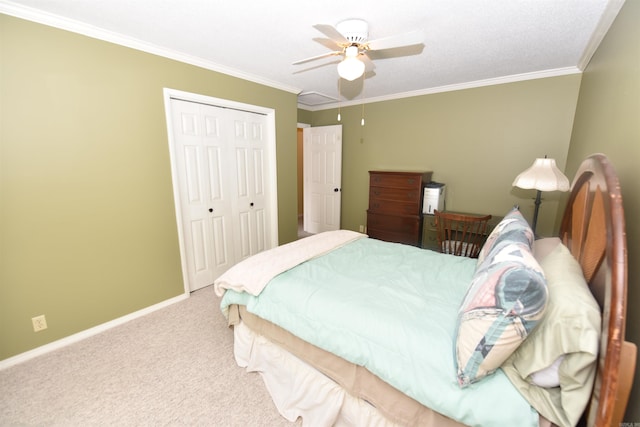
{"x":406,"y":339}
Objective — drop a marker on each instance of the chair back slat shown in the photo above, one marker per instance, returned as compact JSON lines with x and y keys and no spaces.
{"x":461,"y":234}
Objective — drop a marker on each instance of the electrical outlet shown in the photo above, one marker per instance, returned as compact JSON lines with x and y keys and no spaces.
{"x":362,"y":228}
{"x":39,"y":323}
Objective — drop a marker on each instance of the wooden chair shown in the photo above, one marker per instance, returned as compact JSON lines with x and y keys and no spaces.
{"x":460,"y":234}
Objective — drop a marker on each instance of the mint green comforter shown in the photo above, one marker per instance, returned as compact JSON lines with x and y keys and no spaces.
{"x":391,"y":308}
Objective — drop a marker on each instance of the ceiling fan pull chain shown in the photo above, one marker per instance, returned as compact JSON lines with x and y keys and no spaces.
{"x":362,"y":120}
{"x":339,"y":97}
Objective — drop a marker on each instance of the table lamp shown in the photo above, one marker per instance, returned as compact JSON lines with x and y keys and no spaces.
{"x":543,"y":175}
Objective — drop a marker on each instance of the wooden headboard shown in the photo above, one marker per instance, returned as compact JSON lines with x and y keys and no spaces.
{"x":593,"y":228}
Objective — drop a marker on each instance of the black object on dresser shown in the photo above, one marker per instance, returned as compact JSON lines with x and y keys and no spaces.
{"x":395,"y":206}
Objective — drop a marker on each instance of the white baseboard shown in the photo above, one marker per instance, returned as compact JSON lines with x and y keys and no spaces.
{"x":55,"y":345}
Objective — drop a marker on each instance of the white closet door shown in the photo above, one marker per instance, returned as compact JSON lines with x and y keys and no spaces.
{"x":250,"y":213}
{"x":220,"y":157}
{"x":206,"y":200}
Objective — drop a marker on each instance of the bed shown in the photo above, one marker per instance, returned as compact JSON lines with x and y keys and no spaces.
{"x":348,"y":330}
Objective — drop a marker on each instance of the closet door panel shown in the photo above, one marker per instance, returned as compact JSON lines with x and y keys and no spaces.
{"x":204,"y":202}
{"x":249,"y":147}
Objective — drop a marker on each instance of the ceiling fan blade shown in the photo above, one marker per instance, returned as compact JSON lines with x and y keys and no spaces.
{"x":313,"y":58}
{"x":396,"y":52}
{"x":316,"y":66}
{"x":328,"y":43}
{"x":331,"y":32}
{"x":368,"y":63}
{"x":406,"y":39}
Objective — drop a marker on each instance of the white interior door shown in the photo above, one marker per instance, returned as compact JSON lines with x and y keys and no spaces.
{"x":223,"y":168}
{"x":204,"y":188}
{"x":322,"y":161}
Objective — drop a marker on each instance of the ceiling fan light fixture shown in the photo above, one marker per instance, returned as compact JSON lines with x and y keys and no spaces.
{"x":354,"y":30}
{"x":351,"y":38}
{"x":351,"y":51}
{"x":350,"y":68}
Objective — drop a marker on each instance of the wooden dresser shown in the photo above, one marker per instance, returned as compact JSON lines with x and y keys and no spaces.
{"x":395,"y":206}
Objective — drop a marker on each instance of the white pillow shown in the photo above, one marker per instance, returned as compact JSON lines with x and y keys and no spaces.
{"x":569,"y":329}
{"x":549,"y":376}
{"x":543,"y":247}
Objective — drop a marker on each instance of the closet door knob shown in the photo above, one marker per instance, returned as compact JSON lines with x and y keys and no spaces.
{"x":210,"y":209}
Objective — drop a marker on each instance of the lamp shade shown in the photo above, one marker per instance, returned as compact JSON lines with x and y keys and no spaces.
{"x":350,"y":68}
{"x":544,"y":175}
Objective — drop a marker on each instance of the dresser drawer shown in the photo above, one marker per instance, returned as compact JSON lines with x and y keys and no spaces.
{"x":395,"y":180}
{"x":395,"y":194}
{"x":399,"y":224}
{"x":429,"y":237}
{"x":429,"y":222}
{"x":393,"y":207}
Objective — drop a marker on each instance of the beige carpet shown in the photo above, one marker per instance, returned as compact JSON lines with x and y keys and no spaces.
{"x":173,"y":367}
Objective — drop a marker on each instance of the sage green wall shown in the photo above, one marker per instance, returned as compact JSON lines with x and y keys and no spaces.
{"x":304,"y":116}
{"x":87,"y":229}
{"x":608,"y":121}
{"x":474,"y":140}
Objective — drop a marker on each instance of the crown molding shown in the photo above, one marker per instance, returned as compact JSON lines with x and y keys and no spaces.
{"x":38,"y":16}
{"x":606,"y":20}
{"x":450,"y":88}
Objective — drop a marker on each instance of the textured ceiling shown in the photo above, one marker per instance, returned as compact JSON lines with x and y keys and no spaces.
{"x":466,"y":42}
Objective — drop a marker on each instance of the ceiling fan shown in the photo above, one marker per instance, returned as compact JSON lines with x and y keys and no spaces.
{"x":350,"y":38}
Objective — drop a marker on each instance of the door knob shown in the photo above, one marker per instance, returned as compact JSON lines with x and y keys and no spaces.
{"x":210,"y":209}
{"x":336,"y":190}
{"x":251,"y":204}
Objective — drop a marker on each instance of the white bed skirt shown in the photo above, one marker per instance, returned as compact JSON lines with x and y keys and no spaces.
{"x":297,"y":389}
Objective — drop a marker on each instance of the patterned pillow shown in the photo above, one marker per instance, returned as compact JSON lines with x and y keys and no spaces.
{"x":504,"y":303}
{"x":512,"y":228}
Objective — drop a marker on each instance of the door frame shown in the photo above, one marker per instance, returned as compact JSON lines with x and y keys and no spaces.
{"x":272,"y":200}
